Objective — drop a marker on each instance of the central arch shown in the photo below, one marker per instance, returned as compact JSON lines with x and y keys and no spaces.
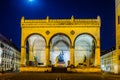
{"x":60,"y":50}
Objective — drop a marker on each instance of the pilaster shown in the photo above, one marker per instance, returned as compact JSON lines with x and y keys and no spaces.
{"x":71,"y":55}
{"x":97,"y":56}
{"x":23,"y":56}
{"x":31,"y":56}
{"x":47,"y":55}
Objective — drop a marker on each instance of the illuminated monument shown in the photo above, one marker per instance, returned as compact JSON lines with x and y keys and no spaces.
{"x":71,"y":43}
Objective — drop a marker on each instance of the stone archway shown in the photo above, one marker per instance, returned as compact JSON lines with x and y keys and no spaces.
{"x":35,"y":50}
{"x":84,"y":50}
{"x":51,"y":28}
{"x":60,"y":50}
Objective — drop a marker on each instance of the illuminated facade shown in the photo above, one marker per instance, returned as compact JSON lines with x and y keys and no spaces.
{"x":117,"y":8}
{"x":9,"y":56}
{"x":108,"y":61}
{"x":48,"y":43}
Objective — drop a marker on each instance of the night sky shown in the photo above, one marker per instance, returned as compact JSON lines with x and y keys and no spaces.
{"x":11,"y":12}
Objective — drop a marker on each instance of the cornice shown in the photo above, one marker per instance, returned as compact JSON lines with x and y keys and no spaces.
{"x":32,"y":23}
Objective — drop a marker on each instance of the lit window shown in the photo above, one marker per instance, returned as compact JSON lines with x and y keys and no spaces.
{"x":118,"y":19}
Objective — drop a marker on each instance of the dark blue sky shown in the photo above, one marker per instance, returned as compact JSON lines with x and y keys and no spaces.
{"x":11,"y":12}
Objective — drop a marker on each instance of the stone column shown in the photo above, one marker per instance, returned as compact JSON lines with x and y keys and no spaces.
{"x":72,"y":55}
{"x":47,"y":55}
{"x":97,"y":56}
{"x":23,"y":56}
{"x":31,"y":56}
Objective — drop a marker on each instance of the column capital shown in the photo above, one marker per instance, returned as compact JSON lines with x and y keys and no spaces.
{"x":97,"y":46}
{"x":71,"y":46}
{"x":23,"y":47}
{"x":47,"y":46}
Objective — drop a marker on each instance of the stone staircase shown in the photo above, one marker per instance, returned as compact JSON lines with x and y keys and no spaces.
{"x":59,"y":69}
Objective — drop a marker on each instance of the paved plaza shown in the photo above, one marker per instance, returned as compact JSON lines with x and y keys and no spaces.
{"x":58,"y":76}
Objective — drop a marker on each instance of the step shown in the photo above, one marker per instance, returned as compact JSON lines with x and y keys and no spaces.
{"x":59,"y":69}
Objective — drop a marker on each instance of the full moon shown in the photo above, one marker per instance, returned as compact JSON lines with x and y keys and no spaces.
{"x":31,"y":0}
